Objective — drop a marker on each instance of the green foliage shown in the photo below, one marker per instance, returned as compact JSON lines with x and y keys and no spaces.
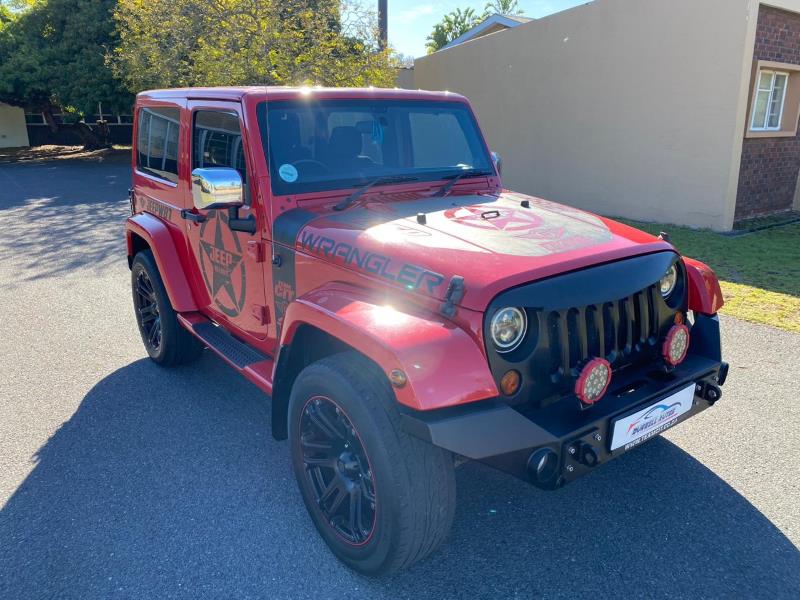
{"x":759,"y":272}
{"x":167,"y":43}
{"x":453,"y":25}
{"x":503,"y":7}
{"x":52,"y":53}
{"x":458,"y":22}
{"x":71,"y":54}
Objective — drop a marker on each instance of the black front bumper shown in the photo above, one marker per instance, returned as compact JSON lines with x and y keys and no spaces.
{"x":556,"y":444}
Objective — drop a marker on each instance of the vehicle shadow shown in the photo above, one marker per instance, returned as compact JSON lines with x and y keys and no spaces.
{"x":59,"y":216}
{"x":168,"y":484}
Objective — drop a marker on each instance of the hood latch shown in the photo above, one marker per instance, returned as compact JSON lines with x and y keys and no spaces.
{"x":453,"y":295}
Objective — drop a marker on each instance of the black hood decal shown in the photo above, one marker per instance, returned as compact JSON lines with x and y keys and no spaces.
{"x":285,"y":231}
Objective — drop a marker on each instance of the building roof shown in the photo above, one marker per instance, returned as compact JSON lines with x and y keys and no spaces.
{"x":518,"y":18}
{"x":489,"y":25}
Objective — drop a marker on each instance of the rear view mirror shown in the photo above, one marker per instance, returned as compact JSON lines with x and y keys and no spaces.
{"x":217,"y":187}
{"x":498,"y":162}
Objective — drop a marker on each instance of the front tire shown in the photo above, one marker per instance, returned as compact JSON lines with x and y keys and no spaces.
{"x":380,"y":498}
{"x":166,"y":342}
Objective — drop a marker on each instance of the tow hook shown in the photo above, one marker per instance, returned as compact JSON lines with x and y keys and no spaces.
{"x":588,"y":455}
{"x":713,"y":393}
{"x":583,"y":453}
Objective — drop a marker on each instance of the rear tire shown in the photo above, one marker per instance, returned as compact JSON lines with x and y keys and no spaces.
{"x":166,"y":342}
{"x":368,"y":459}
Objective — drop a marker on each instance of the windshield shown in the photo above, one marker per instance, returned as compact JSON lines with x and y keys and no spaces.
{"x":317,"y":145}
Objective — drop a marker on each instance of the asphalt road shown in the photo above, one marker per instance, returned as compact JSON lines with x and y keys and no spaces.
{"x":121,"y":479}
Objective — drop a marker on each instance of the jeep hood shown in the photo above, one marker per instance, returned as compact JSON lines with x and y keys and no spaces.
{"x":493,"y":242}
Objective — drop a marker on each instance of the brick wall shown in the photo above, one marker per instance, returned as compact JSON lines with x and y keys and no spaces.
{"x":770,"y":166}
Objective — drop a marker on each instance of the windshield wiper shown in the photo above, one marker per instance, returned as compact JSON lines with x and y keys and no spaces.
{"x":385,"y":180}
{"x":454,"y":179}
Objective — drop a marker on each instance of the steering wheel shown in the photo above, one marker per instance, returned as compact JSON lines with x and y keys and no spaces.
{"x":310,"y":162}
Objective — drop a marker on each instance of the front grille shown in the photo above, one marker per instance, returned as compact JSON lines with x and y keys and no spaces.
{"x":615,"y":330}
{"x":613,"y":311}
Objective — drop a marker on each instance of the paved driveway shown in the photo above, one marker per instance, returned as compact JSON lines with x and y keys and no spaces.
{"x":120,"y":479}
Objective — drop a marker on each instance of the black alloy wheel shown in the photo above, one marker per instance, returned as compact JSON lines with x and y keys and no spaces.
{"x":380,"y":498}
{"x":338,"y":470}
{"x":165,"y":340}
{"x":147,"y":311}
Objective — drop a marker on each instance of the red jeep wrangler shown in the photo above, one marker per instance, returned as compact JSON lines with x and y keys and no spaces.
{"x":354,"y":255}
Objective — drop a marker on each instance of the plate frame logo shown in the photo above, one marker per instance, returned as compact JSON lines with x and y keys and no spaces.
{"x":648,"y":422}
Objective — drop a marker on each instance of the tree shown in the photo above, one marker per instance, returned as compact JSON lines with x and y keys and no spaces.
{"x":167,"y":43}
{"x":503,"y":7}
{"x":453,"y":25}
{"x":52,"y":58}
{"x":404,"y":60}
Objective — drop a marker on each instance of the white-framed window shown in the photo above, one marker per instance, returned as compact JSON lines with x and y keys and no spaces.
{"x":769,"y":100}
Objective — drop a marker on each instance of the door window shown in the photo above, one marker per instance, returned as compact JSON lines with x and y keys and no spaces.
{"x":217,"y":141}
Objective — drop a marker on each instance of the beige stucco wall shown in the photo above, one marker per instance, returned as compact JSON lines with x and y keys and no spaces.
{"x":632,"y":109}
{"x":405,"y":78}
{"x":12,"y":127}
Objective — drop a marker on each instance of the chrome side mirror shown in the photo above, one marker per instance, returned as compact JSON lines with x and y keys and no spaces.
{"x":217,"y":187}
{"x":498,"y":162}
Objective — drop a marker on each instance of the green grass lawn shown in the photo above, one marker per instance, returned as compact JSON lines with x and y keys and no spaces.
{"x":759,"y":272}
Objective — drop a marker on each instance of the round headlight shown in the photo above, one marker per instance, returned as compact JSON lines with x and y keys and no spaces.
{"x":508,"y":328}
{"x":669,"y":281}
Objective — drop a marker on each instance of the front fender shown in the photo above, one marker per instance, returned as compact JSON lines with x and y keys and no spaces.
{"x":157,"y":236}
{"x":443,"y":363}
{"x":705,"y":295}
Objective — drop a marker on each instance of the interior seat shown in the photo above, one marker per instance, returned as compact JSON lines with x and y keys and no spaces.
{"x":344,"y":149}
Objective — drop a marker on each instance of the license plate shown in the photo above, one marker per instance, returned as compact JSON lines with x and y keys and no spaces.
{"x":634,"y":429}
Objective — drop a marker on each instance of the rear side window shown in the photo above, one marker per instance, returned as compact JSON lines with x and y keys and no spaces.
{"x":217,"y":141}
{"x":157,"y":142}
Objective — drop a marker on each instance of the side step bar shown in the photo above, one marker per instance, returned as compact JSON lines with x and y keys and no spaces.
{"x":222,"y":342}
{"x":254,"y":365}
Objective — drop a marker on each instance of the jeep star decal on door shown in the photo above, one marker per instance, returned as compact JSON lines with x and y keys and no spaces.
{"x":222,"y":267}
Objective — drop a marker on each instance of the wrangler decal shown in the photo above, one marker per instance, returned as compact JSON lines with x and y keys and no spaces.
{"x":409,"y":275}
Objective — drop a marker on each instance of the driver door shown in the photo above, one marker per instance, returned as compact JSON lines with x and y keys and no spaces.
{"x":227,"y":264}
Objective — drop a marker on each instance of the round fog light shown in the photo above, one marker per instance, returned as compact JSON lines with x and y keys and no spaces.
{"x":593,"y":381}
{"x":676,"y":345}
{"x":543,"y":465}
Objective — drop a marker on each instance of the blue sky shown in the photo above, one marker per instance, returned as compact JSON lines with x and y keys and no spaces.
{"x":410,"y":21}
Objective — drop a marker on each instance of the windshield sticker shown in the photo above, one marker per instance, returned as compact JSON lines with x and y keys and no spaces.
{"x":288,"y":173}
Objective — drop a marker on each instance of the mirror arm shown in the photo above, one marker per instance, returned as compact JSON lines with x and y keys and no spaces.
{"x":192,"y":216}
{"x":236,"y":223}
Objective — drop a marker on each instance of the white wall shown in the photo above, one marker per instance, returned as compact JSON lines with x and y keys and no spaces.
{"x":13,"y":132}
{"x":627,"y":108}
